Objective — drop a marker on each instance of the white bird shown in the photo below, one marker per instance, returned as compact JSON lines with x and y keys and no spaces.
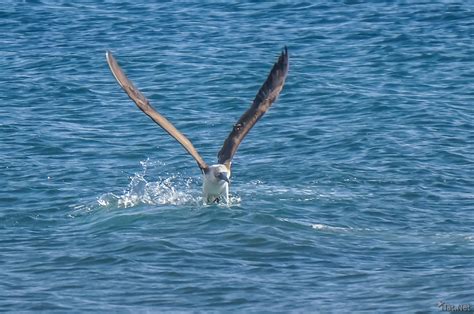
{"x":216,"y":177}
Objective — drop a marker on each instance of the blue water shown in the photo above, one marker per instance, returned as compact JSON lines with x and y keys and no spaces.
{"x":354,"y":193}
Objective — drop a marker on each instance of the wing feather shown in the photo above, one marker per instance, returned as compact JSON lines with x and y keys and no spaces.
{"x":267,"y":94}
{"x":142,"y":102}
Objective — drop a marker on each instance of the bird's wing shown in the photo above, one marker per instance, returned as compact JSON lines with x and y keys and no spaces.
{"x":267,"y":94}
{"x":142,"y":102}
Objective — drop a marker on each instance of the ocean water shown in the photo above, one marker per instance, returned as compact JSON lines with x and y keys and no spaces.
{"x":354,"y":193}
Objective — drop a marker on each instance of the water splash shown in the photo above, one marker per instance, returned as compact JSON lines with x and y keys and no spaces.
{"x":173,"y":189}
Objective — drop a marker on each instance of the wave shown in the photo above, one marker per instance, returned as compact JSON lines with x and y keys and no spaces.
{"x":326,"y":227}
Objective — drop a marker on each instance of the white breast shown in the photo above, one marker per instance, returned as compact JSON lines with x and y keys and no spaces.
{"x":214,"y":188}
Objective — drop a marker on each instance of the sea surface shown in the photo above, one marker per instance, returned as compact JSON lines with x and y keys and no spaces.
{"x":354,"y":193}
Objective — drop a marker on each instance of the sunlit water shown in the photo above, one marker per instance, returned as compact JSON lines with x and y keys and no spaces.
{"x":354,"y":193}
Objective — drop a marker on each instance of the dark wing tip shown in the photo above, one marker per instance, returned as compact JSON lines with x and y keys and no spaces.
{"x":275,"y":79}
{"x":283,"y":59}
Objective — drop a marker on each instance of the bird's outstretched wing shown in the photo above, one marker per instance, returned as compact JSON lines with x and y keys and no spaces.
{"x":267,"y":94}
{"x":142,"y":102}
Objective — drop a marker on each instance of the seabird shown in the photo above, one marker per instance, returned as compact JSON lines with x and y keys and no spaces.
{"x":215,"y":177}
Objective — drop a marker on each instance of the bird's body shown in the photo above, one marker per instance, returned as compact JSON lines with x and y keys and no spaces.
{"x":215,"y":185}
{"x":216,"y":177}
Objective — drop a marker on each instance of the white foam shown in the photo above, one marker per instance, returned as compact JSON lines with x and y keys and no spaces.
{"x":330,"y":228}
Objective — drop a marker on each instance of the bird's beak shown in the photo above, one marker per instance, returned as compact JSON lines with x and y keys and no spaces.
{"x":223,"y":176}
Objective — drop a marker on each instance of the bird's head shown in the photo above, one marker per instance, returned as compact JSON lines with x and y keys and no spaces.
{"x":219,"y":173}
